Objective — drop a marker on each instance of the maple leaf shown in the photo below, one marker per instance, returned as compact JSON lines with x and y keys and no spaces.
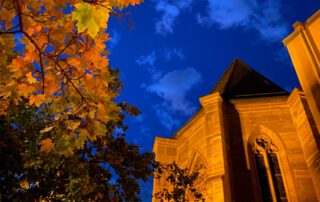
{"x":16,"y":66}
{"x":51,"y":84}
{"x":72,"y":125}
{"x":6,"y":92}
{"x":124,"y":3}
{"x":37,"y":99}
{"x":46,"y":145}
{"x":30,"y":54}
{"x":67,"y":70}
{"x":25,"y":90}
{"x":90,"y":17}
{"x":30,"y":78}
{"x":75,"y":62}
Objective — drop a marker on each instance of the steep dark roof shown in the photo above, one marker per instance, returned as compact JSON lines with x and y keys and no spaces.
{"x":241,"y":81}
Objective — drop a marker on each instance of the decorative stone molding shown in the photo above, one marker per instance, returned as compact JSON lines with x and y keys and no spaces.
{"x":210,"y":99}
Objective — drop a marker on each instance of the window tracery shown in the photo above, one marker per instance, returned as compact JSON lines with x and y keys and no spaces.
{"x":268,"y":170}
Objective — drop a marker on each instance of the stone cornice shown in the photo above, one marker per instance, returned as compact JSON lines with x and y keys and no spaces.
{"x":299,"y":27}
{"x":295,"y":94}
{"x":163,"y":141}
{"x":212,"y":98}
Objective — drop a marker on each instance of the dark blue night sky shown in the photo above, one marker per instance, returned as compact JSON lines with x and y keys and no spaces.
{"x":171,"y":52}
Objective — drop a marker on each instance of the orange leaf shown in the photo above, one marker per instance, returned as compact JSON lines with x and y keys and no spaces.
{"x":37,"y":99}
{"x":30,"y":55}
{"x":75,"y":63}
{"x":51,"y":84}
{"x":25,"y":89}
{"x":46,"y":145}
{"x":16,"y":65}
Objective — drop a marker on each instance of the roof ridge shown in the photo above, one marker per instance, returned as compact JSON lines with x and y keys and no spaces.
{"x":261,"y":76}
{"x":223,"y":77}
{"x":239,"y":71}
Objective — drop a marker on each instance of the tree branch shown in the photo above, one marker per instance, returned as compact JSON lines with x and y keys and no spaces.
{"x":19,"y":13}
{"x":68,"y":44}
{"x":8,"y":32}
{"x":70,"y":81}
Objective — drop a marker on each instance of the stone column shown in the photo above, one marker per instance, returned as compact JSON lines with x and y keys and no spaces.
{"x":218,"y":184}
{"x":307,"y":133}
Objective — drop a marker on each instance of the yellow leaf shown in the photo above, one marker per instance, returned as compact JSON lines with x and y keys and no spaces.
{"x":30,"y":78}
{"x":72,"y":125}
{"x":37,"y":99}
{"x":47,"y":129}
{"x":46,"y":145}
{"x":90,"y":17}
{"x":6,"y":92}
{"x":75,"y":125}
{"x":24,"y":185}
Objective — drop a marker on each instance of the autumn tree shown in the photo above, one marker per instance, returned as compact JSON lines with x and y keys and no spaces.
{"x":57,"y":107}
{"x":104,"y":170}
{"x":63,"y":68}
{"x":179,"y":184}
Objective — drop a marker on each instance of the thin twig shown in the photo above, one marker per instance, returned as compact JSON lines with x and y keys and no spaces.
{"x":70,"y":81}
{"x":33,"y":18}
{"x":68,"y":44}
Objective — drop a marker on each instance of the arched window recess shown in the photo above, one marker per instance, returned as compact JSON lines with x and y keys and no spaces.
{"x":268,"y":170}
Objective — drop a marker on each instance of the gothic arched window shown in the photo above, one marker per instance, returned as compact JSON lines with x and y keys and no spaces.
{"x":268,"y":170}
{"x":198,"y":165}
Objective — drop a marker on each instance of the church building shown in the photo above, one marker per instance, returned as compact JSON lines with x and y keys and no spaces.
{"x":251,"y":140}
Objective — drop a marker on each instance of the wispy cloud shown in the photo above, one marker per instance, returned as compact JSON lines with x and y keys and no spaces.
{"x":147,"y":59}
{"x":166,"y":119}
{"x":173,"y":88}
{"x":114,"y":39}
{"x":263,"y":16}
{"x":169,"y":10}
{"x":148,"y":63}
{"x":173,"y":53}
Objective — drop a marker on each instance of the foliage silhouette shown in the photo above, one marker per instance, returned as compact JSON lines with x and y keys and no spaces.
{"x":180,"y":186}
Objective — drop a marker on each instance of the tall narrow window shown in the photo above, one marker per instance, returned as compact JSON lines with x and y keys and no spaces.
{"x":268,"y":171}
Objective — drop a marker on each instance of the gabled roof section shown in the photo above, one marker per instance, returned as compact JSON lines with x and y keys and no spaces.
{"x":241,"y":81}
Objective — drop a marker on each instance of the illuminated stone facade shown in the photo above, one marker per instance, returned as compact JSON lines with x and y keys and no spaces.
{"x":253,"y":140}
{"x":304,"y":48}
